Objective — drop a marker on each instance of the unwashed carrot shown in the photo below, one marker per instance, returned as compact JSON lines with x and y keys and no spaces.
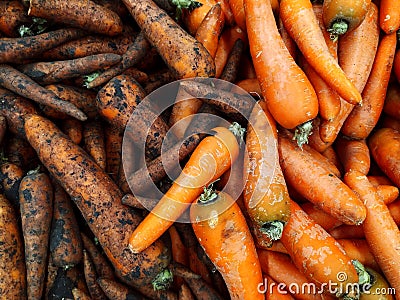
{"x":12,"y":15}
{"x":396,"y":66}
{"x":36,"y":205}
{"x":18,"y":151}
{"x":91,"y":278}
{"x":10,"y":179}
{"x":115,"y":290}
{"x":78,"y":14}
{"x":232,"y":66}
{"x":94,"y":142}
{"x":73,"y":128}
{"x":80,"y":295}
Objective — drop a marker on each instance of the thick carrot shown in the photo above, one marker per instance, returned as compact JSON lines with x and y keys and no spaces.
{"x":17,"y":50}
{"x":65,"y":244}
{"x":331,"y":154}
{"x":73,"y":128}
{"x":217,"y":152}
{"x":99,"y":200}
{"x":274,"y":64}
{"x":381,"y":232}
{"x":12,"y":263}
{"x":353,"y":154}
{"x":272,"y":291}
{"x":12,"y":15}
{"x":23,"y":85}
{"x":184,"y":56}
{"x":317,"y":184}
{"x":94,"y":142}
{"x":358,"y":249}
{"x":394,"y":209}
{"x":86,"y":15}
{"x":10,"y":179}
{"x":389,"y":15}
{"x":91,"y":278}
{"x":115,"y":290}
{"x":36,"y":205}
{"x":363,"y":119}
{"x":265,"y":193}
{"x":224,"y":234}
{"x":56,"y":71}
{"x":391,"y":106}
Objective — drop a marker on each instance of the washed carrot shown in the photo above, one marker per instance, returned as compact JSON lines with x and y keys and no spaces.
{"x":36,"y":205}
{"x":134,"y":53}
{"x":391,"y":105}
{"x":65,"y":243}
{"x":381,"y":232}
{"x":347,"y":232}
{"x":91,"y":278}
{"x":115,"y":290}
{"x":353,"y":154}
{"x":80,"y":295}
{"x":12,"y":15}
{"x":273,"y":64}
{"x":78,"y":14}
{"x":325,"y":220}
{"x":56,"y":71}
{"x":10,"y":179}
{"x":332,"y":156}
{"x":379,"y":289}
{"x":219,"y":151}
{"x":358,"y":249}
{"x":389,"y":16}
{"x":215,"y":225}
{"x":98,"y":199}
{"x":94,"y":142}
{"x":17,"y":50}
{"x":363,"y":119}
{"x":184,"y":56}
{"x":265,"y":194}
{"x":23,"y":85}
{"x":12,"y":262}
{"x":231,"y":69}
{"x":312,"y":179}
{"x":193,"y":13}
{"x":73,"y":128}
{"x":238,"y":10}
{"x":341,"y":16}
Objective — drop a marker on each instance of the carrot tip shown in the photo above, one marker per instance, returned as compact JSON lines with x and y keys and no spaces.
{"x":163,"y":280}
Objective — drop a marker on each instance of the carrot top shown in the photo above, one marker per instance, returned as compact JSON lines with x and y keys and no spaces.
{"x":185,"y":4}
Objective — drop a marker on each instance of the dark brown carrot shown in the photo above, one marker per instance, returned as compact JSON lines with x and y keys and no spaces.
{"x":113,"y":145}
{"x":17,"y":50}
{"x":73,"y":128}
{"x":91,"y":278}
{"x":65,"y":239}
{"x":65,"y":281}
{"x":184,"y":292}
{"x":157,"y":79}
{"x":3,"y":127}
{"x":23,"y":85}
{"x":94,"y":142}
{"x":56,"y":71}
{"x":12,"y":15}
{"x":10,"y":179}
{"x":86,"y":15}
{"x":18,"y":151}
{"x":231,"y":69}
{"x":36,"y":205}
{"x":116,"y":291}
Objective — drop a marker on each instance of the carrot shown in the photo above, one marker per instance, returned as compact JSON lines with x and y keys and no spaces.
{"x":341,"y":16}
{"x":389,"y":16}
{"x":394,"y":209}
{"x":238,"y":10}
{"x":391,"y":105}
{"x":196,"y":265}
{"x":356,"y":52}
{"x":56,"y":71}
{"x":193,"y":13}
{"x":323,"y":219}
{"x":381,"y":232}
{"x":184,"y":56}
{"x":358,"y":249}
{"x":113,"y":146}
{"x":231,"y":69}
{"x":91,"y":278}
{"x":353,"y":154}
{"x":12,"y":263}
{"x":157,"y":79}
{"x":304,"y":240}
{"x":396,"y":65}
{"x":21,"y":84}
{"x":272,"y":291}
{"x":215,"y":230}
{"x":135,"y":52}
{"x":180,"y":253}
{"x":78,"y":14}
{"x":265,"y":193}
{"x":18,"y":151}
{"x":388,"y":193}
{"x":332,"y":156}
{"x":312,"y":180}
{"x":73,"y":128}
{"x":65,"y":243}
{"x":115,"y":290}
{"x":273,"y":62}
{"x":250,"y":85}
{"x":36,"y":205}
{"x":12,"y":16}
{"x":379,"y":288}
{"x":17,"y":50}
{"x":98,"y":199}
{"x":347,"y":232}
{"x":363,"y":119}
{"x":184,"y":292}
{"x":65,"y":281}
{"x":219,"y":150}
{"x":10,"y":179}
{"x":79,"y":294}
{"x":3,"y":128}
{"x":94,"y":143}
{"x":384,"y":145}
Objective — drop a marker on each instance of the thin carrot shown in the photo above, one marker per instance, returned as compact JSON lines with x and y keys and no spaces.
{"x":91,"y":278}
{"x":94,"y":142}
{"x":300,"y":21}
{"x":179,"y":252}
{"x":353,"y":154}
{"x":184,"y":56}
{"x":115,"y":290}
{"x":78,"y":14}
{"x":363,"y":119}
{"x":73,"y":128}
{"x":347,"y":232}
{"x":287,"y":39}
{"x":273,"y":64}
{"x":36,"y":205}
{"x":219,"y":150}
{"x":238,"y":10}
{"x":23,"y":85}
{"x":196,"y":265}
{"x":80,"y":295}
{"x":231,"y":69}
{"x":389,"y":16}
{"x":193,"y":13}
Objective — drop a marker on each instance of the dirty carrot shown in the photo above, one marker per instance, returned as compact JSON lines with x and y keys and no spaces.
{"x":18,"y":151}
{"x":73,"y":128}
{"x":78,"y":14}
{"x":10,"y":178}
{"x":36,"y":205}
{"x":23,"y":85}
{"x":3,"y":127}
{"x":274,"y":64}
{"x":183,"y":54}
{"x":12,"y":15}
{"x":231,"y":69}
{"x":219,"y":151}
{"x":80,"y":295}
{"x":113,"y":145}
{"x":115,"y":290}
{"x":353,"y":154}
{"x":12,"y":262}
{"x":184,"y":292}
{"x":91,"y":278}
{"x":224,"y":234}
{"x":94,"y":142}
{"x":396,"y":64}
{"x":389,"y":15}
{"x":363,"y":119}
{"x":347,"y":232}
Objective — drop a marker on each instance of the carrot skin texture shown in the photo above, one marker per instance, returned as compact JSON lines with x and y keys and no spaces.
{"x":363,"y":119}
{"x":94,"y":143}
{"x":75,"y":13}
{"x":12,"y":262}
{"x":73,"y":128}
{"x":226,"y":239}
{"x":12,"y":16}
{"x":105,"y":214}
{"x":389,"y":15}
{"x":36,"y":205}
{"x":353,"y":154}
{"x":115,"y":290}
{"x":274,"y":65}
{"x":91,"y":278}
{"x":185,"y":56}
{"x":10,"y":180}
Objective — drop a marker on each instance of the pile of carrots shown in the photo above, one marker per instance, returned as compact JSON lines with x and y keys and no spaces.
{"x":295,"y":197}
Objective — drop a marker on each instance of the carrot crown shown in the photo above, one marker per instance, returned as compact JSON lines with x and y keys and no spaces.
{"x":238,"y":131}
{"x":208,"y":195}
{"x":185,"y":4}
{"x":364,"y":281}
{"x":163,"y":280}
{"x":302,"y":132}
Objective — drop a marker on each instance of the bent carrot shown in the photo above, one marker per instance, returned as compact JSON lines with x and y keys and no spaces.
{"x":224,"y":234}
{"x":217,"y":152}
{"x":353,"y":154}
{"x":194,"y":12}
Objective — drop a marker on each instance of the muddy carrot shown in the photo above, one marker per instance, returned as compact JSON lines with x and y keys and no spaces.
{"x":80,"y":295}
{"x":94,"y":142}
{"x":17,"y":50}
{"x":23,"y":85}
{"x":231,"y":69}
{"x":331,"y":154}
{"x":10,"y":179}
{"x":157,"y":79}
{"x":73,"y":128}
{"x":113,"y":145}
{"x":36,"y":205}
{"x":78,"y":14}
{"x":12,"y":262}
{"x":18,"y":151}
{"x":115,"y":290}
{"x":91,"y":278}
{"x":12,"y":15}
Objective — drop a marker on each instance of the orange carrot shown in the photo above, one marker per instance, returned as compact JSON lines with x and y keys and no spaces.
{"x":115,"y":290}
{"x":325,"y":220}
{"x":389,"y":16}
{"x":91,"y":278}
{"x":13,"y":15}
{"x":231,"y":69}
{"x":396,"y":65}
{"x":358,"y":249}
{"x":238,"y":10}
{"x":391,"y":105}
{"x":353,"y":154}
{"x":94,"y":143}
{"x":73,"y":128}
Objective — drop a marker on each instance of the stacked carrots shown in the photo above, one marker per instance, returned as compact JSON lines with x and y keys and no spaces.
{"x":289,"y":191}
